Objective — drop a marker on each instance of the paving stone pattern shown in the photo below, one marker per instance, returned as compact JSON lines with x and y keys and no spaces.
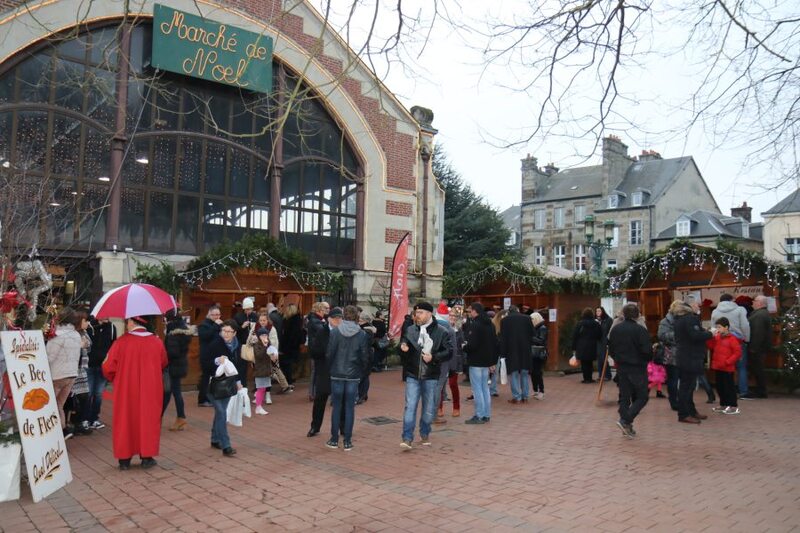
{"x":556,"y":465}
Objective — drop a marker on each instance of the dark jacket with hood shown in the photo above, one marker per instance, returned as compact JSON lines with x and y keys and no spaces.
{"x":585,"y":336}
{"x":481,"y":348}
{"x":102,"y":337}
{"x":630,"y":344}
{"x":176,"y":341}
{"x":690,"y":339}
{"x":348,"y":354}
{"x":293,"y":335}
{"x":666,"y":336}
{"x":441,"y":351}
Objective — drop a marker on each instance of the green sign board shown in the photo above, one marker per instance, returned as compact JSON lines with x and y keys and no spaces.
{"x":195,"y":46}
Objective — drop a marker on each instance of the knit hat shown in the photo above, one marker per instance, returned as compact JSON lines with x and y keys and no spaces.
{"x":425,"y":306}
{"x":248,"y":303}
{"x":336,"y":312}
{"x":262,"y":331}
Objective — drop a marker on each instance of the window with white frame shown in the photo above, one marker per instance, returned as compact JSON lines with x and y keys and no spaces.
{"x":745,"y":229}
{"x":538,"y":256}
{"x":560,"y":255}
{"x":636,"y":200}
{"x":615,"y":237}
{"x":683,"y":228}
{"x":580,"y":258}
{"x":792,"y":250}
{"x":558,"y":217}
{"x":580,"y":214}
{"x":613,"y":201}
{"x":611,"y":263}
{"x":636,"y":232}
{"x":539,"y":219}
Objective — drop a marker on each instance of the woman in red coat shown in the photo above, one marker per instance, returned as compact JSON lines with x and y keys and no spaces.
{"x":134,"y":365}
{"x":726,"y":349}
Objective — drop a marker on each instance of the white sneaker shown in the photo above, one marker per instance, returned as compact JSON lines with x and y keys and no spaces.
{"x":719,"y":409}
{"x":539,"y":395}
{"x":268,"y":400}
{"x":731,"y":411}
{"x":261,"y":411}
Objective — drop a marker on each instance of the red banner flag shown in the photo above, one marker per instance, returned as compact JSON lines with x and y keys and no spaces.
{"x":398,"y":306}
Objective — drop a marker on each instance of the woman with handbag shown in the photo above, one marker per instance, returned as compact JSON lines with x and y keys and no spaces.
{"x":225,"y":350}
{"x":276,"y":372}
{"x":176,"y":341}
{"x":538,"y":355}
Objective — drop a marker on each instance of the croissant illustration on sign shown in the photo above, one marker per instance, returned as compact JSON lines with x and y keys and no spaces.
{"x":35,"y":399}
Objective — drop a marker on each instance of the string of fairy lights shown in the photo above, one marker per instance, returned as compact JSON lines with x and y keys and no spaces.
{"x":246,"y":259}
{"x":495,"y":271}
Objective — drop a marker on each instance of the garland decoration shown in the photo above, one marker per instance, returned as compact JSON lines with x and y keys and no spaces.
{"x":479,"y":272}
{"x":32,"y":271}
{"x":262,"y":253}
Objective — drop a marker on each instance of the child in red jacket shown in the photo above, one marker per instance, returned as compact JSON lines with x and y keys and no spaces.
{"x":726,"y":349}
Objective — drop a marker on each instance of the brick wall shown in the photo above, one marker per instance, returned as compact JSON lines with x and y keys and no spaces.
{"x":400,"y":209}
{"x":393,"y":235}
{"x":399,"y":148}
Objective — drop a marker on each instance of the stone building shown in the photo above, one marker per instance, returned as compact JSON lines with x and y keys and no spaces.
{"x":642,"y":196}
{"x":122,"y":161}
{"x":782,"y":230}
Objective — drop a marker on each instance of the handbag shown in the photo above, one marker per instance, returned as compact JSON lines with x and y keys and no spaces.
{"x":248,"y":353}
{"x":539,"y":352}
{"x":222,"y":387}
{"x":503,"y":371}
{"x":166,"y":381}
{"x":573,"y":361}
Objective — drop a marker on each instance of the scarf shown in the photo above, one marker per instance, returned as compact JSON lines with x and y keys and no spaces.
{"x":425,"y":341}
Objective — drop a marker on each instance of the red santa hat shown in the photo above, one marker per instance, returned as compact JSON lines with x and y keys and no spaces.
{"x":443,"y":311}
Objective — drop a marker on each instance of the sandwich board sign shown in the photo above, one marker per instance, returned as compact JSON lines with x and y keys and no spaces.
{"x":37,"y":412}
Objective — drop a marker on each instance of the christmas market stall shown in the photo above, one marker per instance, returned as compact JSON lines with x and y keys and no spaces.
{"x":255,"y":267}
{"x":687,"y":270}
{"x":559,"y":300}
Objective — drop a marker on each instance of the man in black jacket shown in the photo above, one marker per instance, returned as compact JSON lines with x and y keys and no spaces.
{"x":102,"y":334}
{"x":690,"y":341}
{"x":318,"y":346}
{"x":630,"y":344}
{"x":424,"y":346}
{"x":348,"y":357}
{"x":760,"y":344}
{"x":481,"y":350}
{"x":207,"y":331}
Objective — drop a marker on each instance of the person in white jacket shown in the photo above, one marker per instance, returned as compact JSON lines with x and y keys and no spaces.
{"x":740,"y":327}
{"x":63,"y":354}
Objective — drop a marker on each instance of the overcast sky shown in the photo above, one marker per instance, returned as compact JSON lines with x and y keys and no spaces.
{"x":476,"y":113}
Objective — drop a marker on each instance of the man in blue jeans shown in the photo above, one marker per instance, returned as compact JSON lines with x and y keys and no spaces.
{"x":425,"y":345}
{"x":103,"y":334}
{"x":349,"y":358}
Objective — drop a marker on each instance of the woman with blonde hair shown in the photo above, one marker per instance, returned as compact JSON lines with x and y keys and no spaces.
{"x":496,"y":320}
{"x":538,"y":355}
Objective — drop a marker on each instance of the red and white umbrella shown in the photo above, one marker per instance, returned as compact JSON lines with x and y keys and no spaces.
{"x":134,"y":299}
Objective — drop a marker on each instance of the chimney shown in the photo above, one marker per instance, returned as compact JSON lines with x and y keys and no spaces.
{"x":744,"y":211}
{"x":550,"y":169}
{"x":615,"y":162}
{"x":649,"y":155}
{"x":532,"y":178}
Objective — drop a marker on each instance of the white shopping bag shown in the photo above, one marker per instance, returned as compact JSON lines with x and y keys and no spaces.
{"x":501,"y":367}
{"x":238,"y":407}
{"x":9,"y":471}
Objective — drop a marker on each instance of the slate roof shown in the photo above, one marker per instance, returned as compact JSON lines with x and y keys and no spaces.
{"x":790,"y":204}
{"x":653,"y":176}
{"x":511,"y":218}
{"x":572,"y":183}
{"x":708,"y":224}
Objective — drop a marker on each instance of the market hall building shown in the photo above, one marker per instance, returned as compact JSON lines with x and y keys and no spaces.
{"x":159,"y":133}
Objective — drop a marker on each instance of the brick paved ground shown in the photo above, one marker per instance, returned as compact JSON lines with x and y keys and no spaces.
{"x":556,"y":465}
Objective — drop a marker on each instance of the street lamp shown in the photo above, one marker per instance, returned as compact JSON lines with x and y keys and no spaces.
{"x":596,"y":245}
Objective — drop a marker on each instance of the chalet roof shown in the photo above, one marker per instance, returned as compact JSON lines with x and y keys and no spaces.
{"x":790,"y":204}
{"x":709,"y":224}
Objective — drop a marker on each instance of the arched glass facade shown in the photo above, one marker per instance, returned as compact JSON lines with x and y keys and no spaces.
{"x":199,"y":156}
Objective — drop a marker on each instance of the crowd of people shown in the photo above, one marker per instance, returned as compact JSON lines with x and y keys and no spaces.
{"x":437,"y":345}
